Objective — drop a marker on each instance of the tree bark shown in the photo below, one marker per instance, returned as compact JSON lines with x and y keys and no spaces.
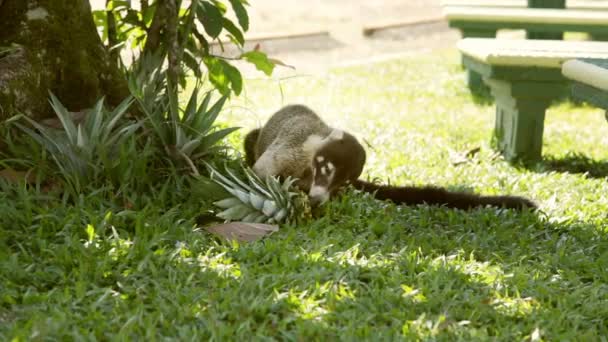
{"x":57,"y":49}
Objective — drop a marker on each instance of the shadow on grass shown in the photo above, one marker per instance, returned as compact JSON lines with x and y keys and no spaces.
{"x":574,"y":163}
{"x":406,"y":280}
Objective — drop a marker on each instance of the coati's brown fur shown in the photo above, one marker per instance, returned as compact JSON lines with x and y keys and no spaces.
{"x":296,"y":142}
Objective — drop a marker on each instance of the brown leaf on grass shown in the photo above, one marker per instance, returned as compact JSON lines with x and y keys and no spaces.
{"x":458,"y":158}
{"x":13,"y":176}
{"x":51,"y":186}
{"x":243,"y":231}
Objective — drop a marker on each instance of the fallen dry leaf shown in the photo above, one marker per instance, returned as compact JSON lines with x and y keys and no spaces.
{"x":13,"y":176}
{"x":458,"y":158}
{"x":243,"y":231}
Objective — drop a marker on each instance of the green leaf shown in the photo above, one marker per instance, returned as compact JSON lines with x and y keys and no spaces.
{"x":205,"y":103}
{"x":211,"y":115}
{"x":202,"y":41}
{"x":211,"y":18}
{"x":192,"y":63}
{"x":224,"y":76}
{"x":234,"y":31}
{"x":217,"y":76}
{"x":94,"y":121}
{"x":64,"y":117}
{"x":99,"y":18}
{"x":117,"y":113}
{"x":190,"y":111}
{"x":216,"y":136}
{"x":117,"y":4}
{"x":189,"y":147}
{"x":90,"y":233}
{"x":234,"y":75}
{"x":148,"y":15}
{"x":260,"y":60}
{"x":241,"y":13}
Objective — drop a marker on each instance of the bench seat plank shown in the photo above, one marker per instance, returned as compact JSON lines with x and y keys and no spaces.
{"x":525,"y":16}
{"x":539,"y":23}
{"x":573,"y":4}
{"x":590,"y":80}
{"x":591,"y":72}
{"x":530,"y":53}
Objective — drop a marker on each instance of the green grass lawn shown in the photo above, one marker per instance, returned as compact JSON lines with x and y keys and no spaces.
{"x":364,"y":270}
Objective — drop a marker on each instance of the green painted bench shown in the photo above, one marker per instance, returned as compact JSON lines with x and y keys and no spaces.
{"x":589,"y":80}
{"x":540,"y":23}
{"x":572,"y":4}
{"x":525,"y":76}
{"x":485,"y":21}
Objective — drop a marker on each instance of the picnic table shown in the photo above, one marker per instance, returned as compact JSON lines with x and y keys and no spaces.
{"x":573,"y":4}
{"x":484,"y":21}
{"x":525,"y":76}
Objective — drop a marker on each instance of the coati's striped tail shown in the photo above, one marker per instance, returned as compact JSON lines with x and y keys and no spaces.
{"x":251,"y":140}
{"x":410,"y":195}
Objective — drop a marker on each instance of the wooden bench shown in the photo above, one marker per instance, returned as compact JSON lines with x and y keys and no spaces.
{"x":485,"y":21}
{"x":573,"y":4}
{"x":524,"y":76}
{"x":589,"y":80}
{"x":542,"y":23}
{"x":588,"y":5}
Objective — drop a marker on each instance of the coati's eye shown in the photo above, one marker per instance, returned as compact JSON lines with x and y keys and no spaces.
{"x":323,"y":169}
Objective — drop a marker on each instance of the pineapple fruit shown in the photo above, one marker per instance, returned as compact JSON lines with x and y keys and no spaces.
{"x":260,"y":201}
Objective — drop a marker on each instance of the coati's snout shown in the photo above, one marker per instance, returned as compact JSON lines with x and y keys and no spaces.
{"x":337,"y":162}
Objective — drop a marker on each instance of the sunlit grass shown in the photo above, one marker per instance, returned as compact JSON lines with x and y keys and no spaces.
{"x":364,"y":270}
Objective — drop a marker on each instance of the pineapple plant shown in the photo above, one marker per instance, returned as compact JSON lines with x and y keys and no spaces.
{"x":257,"y":201}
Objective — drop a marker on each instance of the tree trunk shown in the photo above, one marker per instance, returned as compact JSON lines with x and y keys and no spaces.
{"x":57,"y":49}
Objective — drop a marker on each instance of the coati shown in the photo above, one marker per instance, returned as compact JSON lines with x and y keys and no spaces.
{"x":296,"y":142}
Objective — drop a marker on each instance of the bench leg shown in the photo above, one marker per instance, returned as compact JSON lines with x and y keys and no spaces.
{"x":599,"y":37}
{"x":474,"y":32}
{"x":474,"y":79}
{"x":520,"y":116}
{"x":531,"y":34}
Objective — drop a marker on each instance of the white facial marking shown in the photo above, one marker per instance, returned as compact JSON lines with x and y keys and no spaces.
{"x":320,"y":159}
{"x":336,"y":134}
{"x":331,"y":166}
{"x":318,"y":194}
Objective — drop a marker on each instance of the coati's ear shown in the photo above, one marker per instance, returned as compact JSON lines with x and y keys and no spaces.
{"x":336,"y":134}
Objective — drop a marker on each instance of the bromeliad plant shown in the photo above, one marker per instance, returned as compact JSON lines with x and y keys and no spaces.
{"x":83,"y":151}
{"x":257,"y":201}
{"x":187,"y":134}
{"x":184,"y":134}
